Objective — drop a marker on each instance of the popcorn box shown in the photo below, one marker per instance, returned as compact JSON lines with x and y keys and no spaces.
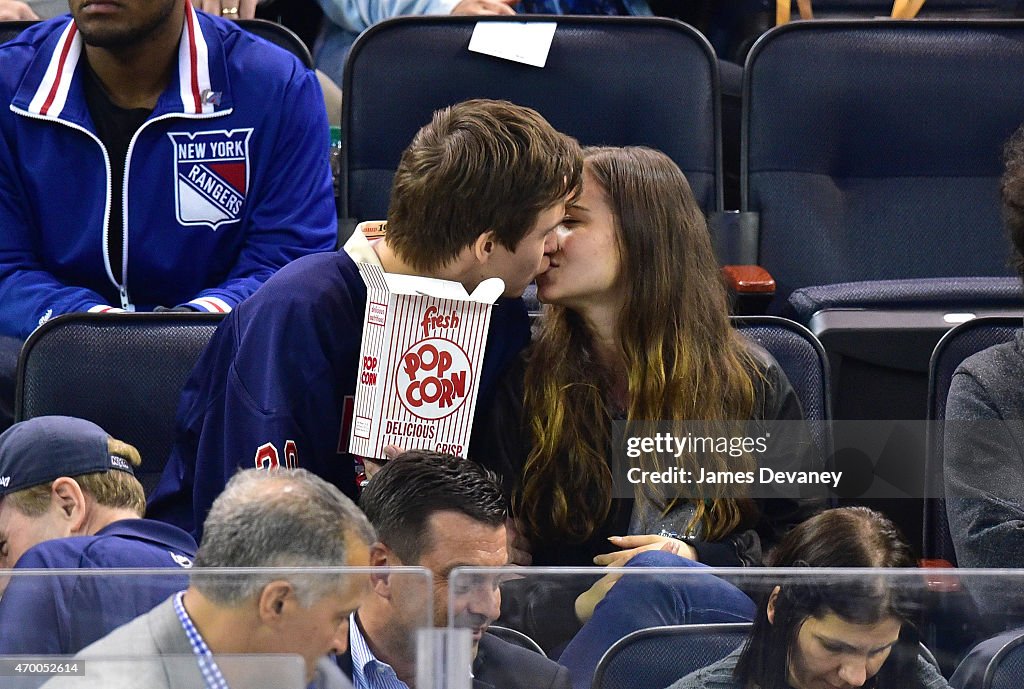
{"x":420,"y":362}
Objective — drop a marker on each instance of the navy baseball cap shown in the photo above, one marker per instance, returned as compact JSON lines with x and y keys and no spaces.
{"x":45,"y":448}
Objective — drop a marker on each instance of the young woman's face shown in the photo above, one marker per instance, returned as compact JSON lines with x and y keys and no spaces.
{"x":831,"y":653}
{"x":585,"y":270}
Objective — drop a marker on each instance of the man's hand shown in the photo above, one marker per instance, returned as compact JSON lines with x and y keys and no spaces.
{"x":12,"y":10}
{"x":229,"y":9}
{"x":483,"y":7}
{"x":633,"y":545}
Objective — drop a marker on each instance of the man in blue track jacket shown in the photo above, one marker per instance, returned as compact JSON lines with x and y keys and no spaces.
{"x":152,"y":156}
{"x":479,"y":193}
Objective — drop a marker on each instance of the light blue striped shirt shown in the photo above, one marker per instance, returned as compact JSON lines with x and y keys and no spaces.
{"x":367,"y":671}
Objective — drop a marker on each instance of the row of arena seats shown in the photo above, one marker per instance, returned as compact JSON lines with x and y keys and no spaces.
{"x":869,"y":164}
{"x":870,"y":160}
{"x":995,"y":663}
{"x":652,"y":656}
{"x":126,"y":371}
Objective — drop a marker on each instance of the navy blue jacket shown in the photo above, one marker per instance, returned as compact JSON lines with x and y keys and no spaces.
{"x":276,"y":384}
{"x":62,"y":614}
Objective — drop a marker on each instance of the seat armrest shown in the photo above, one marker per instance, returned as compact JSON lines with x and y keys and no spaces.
{"x":943,"y":583}
{"x":749,"y":279}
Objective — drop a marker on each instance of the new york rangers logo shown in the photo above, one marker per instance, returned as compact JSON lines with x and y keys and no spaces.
{"x":212,"y":176}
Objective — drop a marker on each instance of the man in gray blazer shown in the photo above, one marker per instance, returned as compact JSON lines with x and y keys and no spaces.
{"x":286,"y":518}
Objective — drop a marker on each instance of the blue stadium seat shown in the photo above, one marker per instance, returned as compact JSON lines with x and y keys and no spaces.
{"x":958,"y":344}
{"x":996,"y":663}
{"x":122,"y":371}
{"x":607,"y":81}
{"x":10,"y":29}
{"x":803,"y":360}
{"x":872,"y":156}
{"x":658,"y":656}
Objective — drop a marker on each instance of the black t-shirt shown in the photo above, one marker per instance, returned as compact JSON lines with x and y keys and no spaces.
{"x":115,"y":127}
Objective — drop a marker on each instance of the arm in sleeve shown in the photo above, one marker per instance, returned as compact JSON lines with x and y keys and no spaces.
{"x":291,"y":205}
{"x":984,"y":477}
{"x":29,"y":294}
{"x":30,"y":621}
{"x":359,"y":15}
{"x":269,"y":390}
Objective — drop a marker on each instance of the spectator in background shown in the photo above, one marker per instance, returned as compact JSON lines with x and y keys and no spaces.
{"x":69,"y":500}
{"x":440,"y":512}
{"x":199,"y":156}
{"x":281,"y":519}
{"x":344,"y":20}
{"x":983,"y":451}
{"x":16,"y":10}
{"x":831,"y":631}
{"x":636,"y":330}
{"x":477,"y":194}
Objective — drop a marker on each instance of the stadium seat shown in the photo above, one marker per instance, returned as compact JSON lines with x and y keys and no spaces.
{"x":607,"y":81}
{"x":946,"y":9}
{"x":955,"y":346}
{"x":658,"y":656}
{"x":516,"y":637}
{"x":124,"y":372}
{"x":871,"y":158}
{"x":996,"y":663}
{"x":280,"y":35}
{"x":803,"y":360}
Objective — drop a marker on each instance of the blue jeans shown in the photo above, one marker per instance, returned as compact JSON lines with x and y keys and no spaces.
{"x":637,"y":602}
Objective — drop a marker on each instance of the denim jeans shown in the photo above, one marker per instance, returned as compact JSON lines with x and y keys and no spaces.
{"x":637,"y":602}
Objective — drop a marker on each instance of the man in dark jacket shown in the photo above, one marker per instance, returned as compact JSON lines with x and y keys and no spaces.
{"x":439,"y":512}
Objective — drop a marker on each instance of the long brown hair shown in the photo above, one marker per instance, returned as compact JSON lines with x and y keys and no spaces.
{"x":683,"y":360}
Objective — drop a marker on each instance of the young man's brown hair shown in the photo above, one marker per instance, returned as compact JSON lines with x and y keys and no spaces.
{"x":479,"y":166}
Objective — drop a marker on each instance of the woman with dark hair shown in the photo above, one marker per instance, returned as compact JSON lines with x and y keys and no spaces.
{"x":835,"y":631}
{"x":636,"y":329}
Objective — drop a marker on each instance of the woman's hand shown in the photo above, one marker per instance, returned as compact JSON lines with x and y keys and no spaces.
{"x":634,"y":545}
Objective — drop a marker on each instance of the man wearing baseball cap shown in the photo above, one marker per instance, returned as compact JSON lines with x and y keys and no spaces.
{"x":69,"y":499}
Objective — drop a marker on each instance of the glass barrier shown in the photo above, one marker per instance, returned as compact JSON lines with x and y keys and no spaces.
{"x":648,"y":625}
{"x":271,"y":628}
